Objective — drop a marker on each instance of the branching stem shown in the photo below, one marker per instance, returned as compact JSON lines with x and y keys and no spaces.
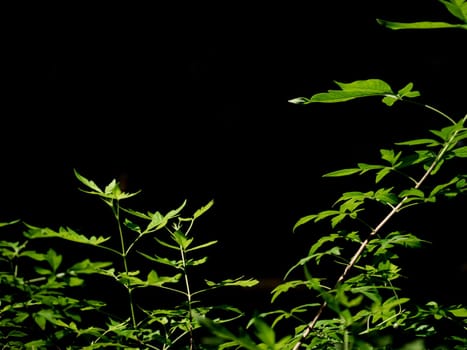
{"x":363,"y":245}
{"x":116,"y":210}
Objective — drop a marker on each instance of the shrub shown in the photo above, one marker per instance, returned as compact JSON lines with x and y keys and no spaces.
{"x":146,"y":294}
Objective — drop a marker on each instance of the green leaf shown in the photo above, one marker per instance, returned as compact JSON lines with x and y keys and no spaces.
{"x":2,"y":224}
{"x":389,"y":100}
{"x":416,"y":142}
{"x":329,"y":238}
{"x":180,"y":238}
{"x":356,"y":89}
{"x":157,"y":222}
{"x":265,"y":333}
{"x":389,"y":155}
{"x":325,"y":214}
{"x":303,"y":221}
{"x":132,"y":226}
{"x":174,"y":263}
{"x":53,"y":259}
{"x":342,"y":172}
{"x":412,"y":192}
{"x":419,"y":25}
{"x":460,"y":152}
{"x":239,"y":282}
{"x":154,"y":280}
{"x":192,"y":262}
{"x":168,"y":245}
{"x":111,"y":191}
{"x":64,"y":233}
{"x":381,"y":174}
{"x":439,"y":188}
{"x":138,"y":214}
{"x":75,"y":281}
{"x":284,"y":287}
{"x":175,"y":212}
{"x":88,"y":267}
{"x":34,"y":255}
{"x":42,"y":271}
{"x":460,"y":312}
{"x":366,"y":167}
{"x":203,"y":209}
{"x":201,"y":246}
{"x":88,"y":183}
{"x":338,"y":218}
{"x":36,"y":344}
{"x":458,"y":8}
{"x":406,"y":91}
{"x":385,"y":196}
{"x":446,"y":133}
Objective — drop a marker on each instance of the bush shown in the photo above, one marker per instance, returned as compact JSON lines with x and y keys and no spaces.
{"x":144,"y":291}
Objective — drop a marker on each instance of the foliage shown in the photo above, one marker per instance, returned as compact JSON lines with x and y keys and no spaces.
{"x":364,"y":308}
{"x":44,"y":301}
{"x":37,"y":307}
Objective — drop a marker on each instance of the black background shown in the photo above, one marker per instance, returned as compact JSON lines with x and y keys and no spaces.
{"x":189,"y":101}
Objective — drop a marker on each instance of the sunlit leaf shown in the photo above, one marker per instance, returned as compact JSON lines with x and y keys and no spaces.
{"x":183,"y":241}
{"x":419,"y":25}
{"x":439,"y":188}
{"x":42,"y":271}
{"x":203,"y":209}
{"x":132,"y":226}
{"x":325,"y":214}
{"x":460,"y":152}
{"x":174,"y":263}
{"x":88,"y":183}
{"x":382,"y":174}
{"x":385,"y":196}
{"x":356,"y":89}
{"x":389,"y":155}
{"x":111,"y":191}
{"x":239,"y":282}
{"x":412,"y":192}
{"x":460,"y":312}
{"x":192,"y":262}
{"x":338,"y":218}
{"x":153,"y":279}
{"x":303,"y":221}
{"x":389,"y":100}
{"x":2,"y":224}
{"x":299,"y":100}
{"x":328,"y":238}
{"x":416,"y":142}
{"x":288,"y":285}
{"x":265,"y":333}
{"x":406,"y":91}
{"x":34,"y":255}
{"x":458,"y":8}
{"x":175,"y":212}
{"x":157,"y":222}
{"x":165,"y":244}
{"x":342,"y":172}
{"x":366,"y":167}
{"x":64,"y":233}
{"x":88,"y":267}
{"x":54,"y":259}
{"x":201,"y":246}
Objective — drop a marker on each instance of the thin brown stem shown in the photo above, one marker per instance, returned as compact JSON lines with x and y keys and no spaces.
{"x":363,"y":245}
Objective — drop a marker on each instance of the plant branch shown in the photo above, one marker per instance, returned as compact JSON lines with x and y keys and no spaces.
{"x":363,"y":245}
{"x":116,"y":210}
